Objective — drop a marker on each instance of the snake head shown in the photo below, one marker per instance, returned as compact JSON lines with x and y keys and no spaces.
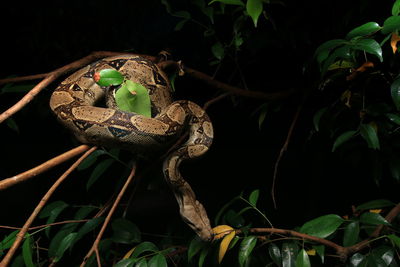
{"x":195,"y":216}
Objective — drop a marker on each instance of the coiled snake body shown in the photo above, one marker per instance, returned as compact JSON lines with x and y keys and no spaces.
{"x":74,"y":100}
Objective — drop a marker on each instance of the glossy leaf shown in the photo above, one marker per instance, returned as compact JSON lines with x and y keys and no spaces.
{"x":221,"y":231}
{"x":344,"y":137}
{"x":48,"y":209}
{"x":218,"y":51}
{"x":224,"y":245}
{"x":393,"y":118}
{"x":322,"y":52}
{"x":125,"y":263}
{"x":375,"y":204}
{"x":58,"y":238}
{"x":228,"y":2}
{"x":357,"y":260}
{"x":158,"y":261}
{"x":125,"y":232}
{"x":195,"y":246}
{"x":370,"y":46}
{"x":254,"y":8}
{"x":64,"y":245}
{"x":7,"y":242}
{"x":88,"y":227}
{"x":391,"y":24}
{"x":58,"y":207}
{"x":98,"y":171}
{"x":387,"y":256}
{"x":396,"y":8}
{"x":234,"y":218}
{"x":320,"y":249}
{"x":395,"y":93}
{"x":373,"y":218}
{"x":363,"y":30}
{"x":83,"y":212}
{"x":395,"y":239}
{"x":133,"y":97}
{"x":253,"y":198}
{"x":302,"y":259}
{"x":275,"y":254}
{"x":141,"y":263}
{"x":90,"y":160}
{"x":144,"y":247}
{"x":351,"y":233}
{"x":246,"y":247}
{"x":370,"y":136}
{"x":322,"y":226}
{"x":27,"y":250}
{"x":108,"y":77}
{"x":289,"y":254}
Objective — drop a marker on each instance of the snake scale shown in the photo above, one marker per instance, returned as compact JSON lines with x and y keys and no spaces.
{"x":77,"y":105}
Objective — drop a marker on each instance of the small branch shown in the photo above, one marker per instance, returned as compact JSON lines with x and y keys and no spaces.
{"x":24,"y":78}
{"x":8,"y":182}
{"x":43,"y":225}
{"x":214,"y":100}
{"x":94,"y":248}
{"x":20,"y":236}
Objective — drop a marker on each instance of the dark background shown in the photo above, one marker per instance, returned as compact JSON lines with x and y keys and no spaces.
{"x":312,"y":181}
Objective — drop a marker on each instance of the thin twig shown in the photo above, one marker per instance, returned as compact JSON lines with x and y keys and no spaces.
{"x":8,"y":182}
{"x":95,"y":245}
{"x":20,"y":236}
{"x":43,"y":225}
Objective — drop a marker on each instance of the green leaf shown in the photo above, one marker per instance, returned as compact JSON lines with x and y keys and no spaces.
{"x":363,"y":30}
{"x":395,"y":239}
{"x":218,"y":50}
{"x":320,"y":249}
{"x":228,"y":2}
{"x":375,"y":204}
{"x":83,"y":212}
{"x":90,"y":160}
{"x":317,"y":117}
{"x":351,"y":233}
{"x":246,"y":247}
{"x":357,"y":260}
{"x":195,"y":246}
{"x":387,"y":255}
{"x":373,"y":218}
{"x":133,"y":97}
{"x":289,"y":254}
{"x":7,"y":242}
{"x":322,"y":226}
{"x":344,"y":137}
{"x":125,"y":232}
{"x":370,"y":136}
{"x":12,"y":125}
{"x":302,"y":259}
{"x":391,"y":24}
{"x":254,"y":8}
{"x":98,"y":171}
{"x":54,"y":214}
{"x":125,"y":263}
{"x":64,"y":245}
{"x":141,"y":263}
{"x":234,"y":219}
{"x":58,"y":238}
{"x":88,"y":227}
{"x":158,"y":261}
{"x":110,"y":77}
{"x":370,"y":46}
{"x":322,"y":52}
{"x":49,"y":208}
{"x":395,"y":92}
{"x":27,"y":251}
{"x":144,"y":247}
{"x":203,"y":255}
{"x":275,"y":254}
{"x":180,"y":25}
{"x":253,"y":198}
{"x":182,"y":14}
{"x":396,"y":8}
{"x":393,"y":118}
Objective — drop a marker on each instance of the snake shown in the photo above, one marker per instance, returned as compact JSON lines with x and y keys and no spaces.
{"x":81,"y":105}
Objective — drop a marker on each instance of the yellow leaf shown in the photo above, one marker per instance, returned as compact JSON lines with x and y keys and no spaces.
{"x":129,"y":253}
{"x":221,"y":230}
{"x":311,"y":252}
{"x":376,"y":211}
{"x":223,"y":247}
{"x":393,"y":42}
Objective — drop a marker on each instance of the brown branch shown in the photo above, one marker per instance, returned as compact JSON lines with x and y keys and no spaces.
{"x":168,"y":65}
{"x":43,"y":225}
{"x":95,"y":245}
{"x":8,"y":182}
{"x":20,"y":236}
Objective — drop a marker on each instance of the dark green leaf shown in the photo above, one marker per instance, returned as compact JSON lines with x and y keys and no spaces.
{"x":357,"y":260}
{"x":228,"y":2}
{"x":182,"y":14}
{"x":302,"y":259}
{"x":246,"y":247}
{"x":12,"y":125}
{"x":342,"y":53}
{"x":141,"y":263}
{"x":375,"y":204}
{"x":275,"y":254}
{"x":395,"y":239}
{"x":58,"y":238}
{"x":125,"y":263}
{"x":125,"y":232}
{"x":374,"y":260}
{"x":393,"y":118}
{"x":317,"y":117}
{"x":98,"y":171}
{"x":351,"y":232}
{"x":363,"y":30}
{"x":7,"y":242}
{"x":110,"y":77}
{"x":133,"y":97}
{"x":195,"y":246}
{"x":391,"y":24}
{"x":387,"y":256}
{"x":21,"y":88}
{"x":344,"y":137}
{"x":88,"y":227}
{"x":83,"y":212}
{"x":203,"y":255}
{"x":218,"y":50}
{"x":395,"y":92}
{"x":289,"y":254}
{"x":254,"y":8}
{"x":54,"y":214}
{"x":48,"y":209}
{"x":263,"y":114}
{"x":253,"y":198}
{"x":320,"y":249}
{"x":158,"y":261}
{"x":396,"y":8}
{"x":322,"y":52}
{"x":234,"y":219}
{"x":373,"y":218}
{"x":90,"y":160}
{"x":180,"y":25}
{"x":370,"y":136}
{"x":370,"y":46}
{"x":394,"y":167}
{"x":322,"y":226}
{"x":144,"y":247}
{"x":27,"y":251}
{"x":64,"y":245}
{"x":233,"y":242}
